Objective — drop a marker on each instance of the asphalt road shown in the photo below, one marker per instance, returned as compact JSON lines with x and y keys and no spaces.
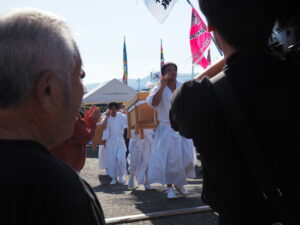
{"x":117,"y":200}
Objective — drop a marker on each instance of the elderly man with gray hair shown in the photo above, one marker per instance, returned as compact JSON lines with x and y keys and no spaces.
{"x":40,"y":94}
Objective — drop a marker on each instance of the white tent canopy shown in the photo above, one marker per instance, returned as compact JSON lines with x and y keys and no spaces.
{"x":112,"y":91}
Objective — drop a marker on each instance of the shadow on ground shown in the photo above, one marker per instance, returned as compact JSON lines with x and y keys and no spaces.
{"x":90,"y":153}
{"x":117,"y":200}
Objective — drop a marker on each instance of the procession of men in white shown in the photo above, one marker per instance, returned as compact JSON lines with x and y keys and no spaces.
{"x":162,"y":156}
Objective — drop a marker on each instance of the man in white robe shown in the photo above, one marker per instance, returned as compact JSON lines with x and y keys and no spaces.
{"x":114,"y":124}
{"x":139,"y":154}
{"x":172,"y":157}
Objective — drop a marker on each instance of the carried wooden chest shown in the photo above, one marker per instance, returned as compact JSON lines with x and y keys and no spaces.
{"x":97,"y":139}
{"x":140,"y":115}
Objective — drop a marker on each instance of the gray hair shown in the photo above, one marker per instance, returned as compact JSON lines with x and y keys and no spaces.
{"x":33,"y":42}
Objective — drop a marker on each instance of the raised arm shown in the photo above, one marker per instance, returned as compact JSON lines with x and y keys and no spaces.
{"x":157,"y":97}
{"x":104,"y":124}
{"x":84,"y":128}
{"x":91,"y":117}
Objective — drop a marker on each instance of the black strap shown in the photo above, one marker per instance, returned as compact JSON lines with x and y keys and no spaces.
{"x":247,"y":141}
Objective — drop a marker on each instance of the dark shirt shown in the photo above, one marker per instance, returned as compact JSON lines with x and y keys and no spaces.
{"x":38,"y":189}
{"x":266,"y":90}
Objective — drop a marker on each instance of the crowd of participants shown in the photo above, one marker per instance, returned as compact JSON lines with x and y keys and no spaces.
{"x":161,"y":156}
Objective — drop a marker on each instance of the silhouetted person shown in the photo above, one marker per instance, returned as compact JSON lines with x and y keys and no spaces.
{"x":265,"y":87}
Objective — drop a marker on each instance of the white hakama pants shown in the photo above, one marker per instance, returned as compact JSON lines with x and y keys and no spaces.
{"x":139,"y":154}
{"x":102,"y":157}
{"x":116,"y":156}
{"x":173,"y":157}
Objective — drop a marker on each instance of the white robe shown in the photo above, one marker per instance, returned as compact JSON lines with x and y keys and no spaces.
{"x":115,"y":145}
{"x":139,"y":154}
{"x":102,"y":157}
{"x":173,"y":157}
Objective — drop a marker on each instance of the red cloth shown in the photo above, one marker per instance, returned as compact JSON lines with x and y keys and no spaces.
{"x":73,"y":150}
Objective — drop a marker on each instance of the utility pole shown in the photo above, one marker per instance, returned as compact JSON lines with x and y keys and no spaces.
{"x":139,"y":84}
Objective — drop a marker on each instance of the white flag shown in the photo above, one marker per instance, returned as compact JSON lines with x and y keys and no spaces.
{"x":160,"y":9}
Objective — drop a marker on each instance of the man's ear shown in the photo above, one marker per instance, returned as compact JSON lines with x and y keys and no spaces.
{"x":49,"y":92}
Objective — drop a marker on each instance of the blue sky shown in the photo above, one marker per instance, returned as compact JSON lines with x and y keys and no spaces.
{"x":99,"y":27}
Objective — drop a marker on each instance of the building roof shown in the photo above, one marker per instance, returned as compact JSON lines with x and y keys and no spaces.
{"x":111,"y":91}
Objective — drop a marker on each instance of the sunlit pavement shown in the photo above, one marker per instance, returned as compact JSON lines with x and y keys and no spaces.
{"x":117,"y":200}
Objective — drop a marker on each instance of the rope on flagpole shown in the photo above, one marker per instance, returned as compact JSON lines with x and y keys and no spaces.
{"x":213,"y":39}
{"x":188,"y":1}
{"x":184,"y":64}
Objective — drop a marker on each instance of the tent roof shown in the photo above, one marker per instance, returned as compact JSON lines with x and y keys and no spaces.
{"x":111,"y":91}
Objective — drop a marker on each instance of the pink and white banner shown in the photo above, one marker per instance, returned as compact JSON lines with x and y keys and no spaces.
{"x":200,"y":39}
